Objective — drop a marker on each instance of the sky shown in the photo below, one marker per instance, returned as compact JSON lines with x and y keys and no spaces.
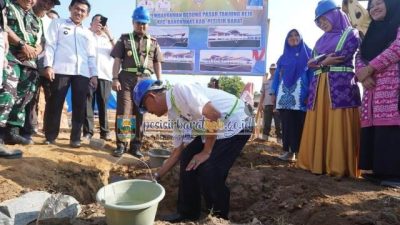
{"x":284,"y":15}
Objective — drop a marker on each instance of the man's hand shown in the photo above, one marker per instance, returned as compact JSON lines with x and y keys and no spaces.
{"x":260,"y":108}
{"x":27,"y":53}
{"x":49,"y":73}
{"x":116,"y":85}
{"x":273,"y":99}
{"x":93,"y":82}
{"x":106,"y":31}
{"x":197,"y":160}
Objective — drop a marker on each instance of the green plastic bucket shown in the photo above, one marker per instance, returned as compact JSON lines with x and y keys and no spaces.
{"x":157,"y":157}
{"x":131,"y":202}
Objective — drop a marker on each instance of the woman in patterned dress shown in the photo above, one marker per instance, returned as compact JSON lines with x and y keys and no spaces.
{"x":289,"y":91}
{"x":377,"y":68}
{"x":330,"y":141}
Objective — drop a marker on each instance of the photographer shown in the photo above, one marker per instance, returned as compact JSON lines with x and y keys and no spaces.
{"x":104,"y":43}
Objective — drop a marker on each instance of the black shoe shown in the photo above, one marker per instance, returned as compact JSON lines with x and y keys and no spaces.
{"x":177,"y":218}
{"x":137,"y":153}
{"x":10,"y":154}
{"x":13,"y":139}
{"x":75,"y":144}
{"x":135,"y":150}
{"x":87,"y":136}
{"x":49,"y":142}
{"x":106,"y":137}
{"x":119,"y":151}
{"x":29,"y":138}
{"x":373,"y":178}
{"x":391,"y":182}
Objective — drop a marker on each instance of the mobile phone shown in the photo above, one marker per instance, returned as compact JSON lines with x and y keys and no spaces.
{"x":319,"y":58}
{"x":103,"y":20}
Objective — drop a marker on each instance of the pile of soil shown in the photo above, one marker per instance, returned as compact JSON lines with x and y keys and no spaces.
{"x":264,"y":190}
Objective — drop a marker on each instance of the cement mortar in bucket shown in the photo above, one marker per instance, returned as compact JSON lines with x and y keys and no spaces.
{"x":131,"y":202}
{"x":158,"y":156}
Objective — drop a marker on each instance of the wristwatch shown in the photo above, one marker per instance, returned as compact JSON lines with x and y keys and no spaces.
{"x":21,"y":43}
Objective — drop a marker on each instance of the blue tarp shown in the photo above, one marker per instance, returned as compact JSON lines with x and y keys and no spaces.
{"x":112,"y":100}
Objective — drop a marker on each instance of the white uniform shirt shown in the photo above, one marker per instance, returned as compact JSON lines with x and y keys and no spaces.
{"x":70,"y":49}
{"x":46,"y":23}
{"x":104,"y":61}
{"x":190,"y":99}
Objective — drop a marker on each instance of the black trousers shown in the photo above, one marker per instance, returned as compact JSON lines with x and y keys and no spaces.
{"x":209,"y":178}
{"x":292,"y":128}
{"x":99,"y":96}
{"x":32,"y":109}
{"x":52,"y":115}
{"x":269,"y":114}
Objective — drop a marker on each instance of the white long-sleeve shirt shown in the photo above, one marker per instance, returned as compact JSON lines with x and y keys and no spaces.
{"x":104,"y":61}
{"x":190,"y":99}
{"x":70,"y":49}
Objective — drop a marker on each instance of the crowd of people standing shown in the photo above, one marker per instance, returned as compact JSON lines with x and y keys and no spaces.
{"x":312,"y":95}
{"x":61,"y":55}
{"x":332,"y":130}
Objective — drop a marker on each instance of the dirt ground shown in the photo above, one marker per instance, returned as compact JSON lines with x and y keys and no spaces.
{"x":264,"y":190}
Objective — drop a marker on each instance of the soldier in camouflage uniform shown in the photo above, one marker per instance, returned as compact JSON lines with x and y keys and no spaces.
{"x":4,"y":152}
{"x":20,"y":77}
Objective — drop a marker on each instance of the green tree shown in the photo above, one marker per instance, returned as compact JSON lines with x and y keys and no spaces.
{"x":233,"y":85}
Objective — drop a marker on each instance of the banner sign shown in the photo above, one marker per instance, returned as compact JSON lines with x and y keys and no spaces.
{"x":211,"y":37}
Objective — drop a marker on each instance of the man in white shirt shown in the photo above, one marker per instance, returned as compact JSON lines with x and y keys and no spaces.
{"x":220,"y":127}
{"x":104,"y":44}
{"x":70,"y":60}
